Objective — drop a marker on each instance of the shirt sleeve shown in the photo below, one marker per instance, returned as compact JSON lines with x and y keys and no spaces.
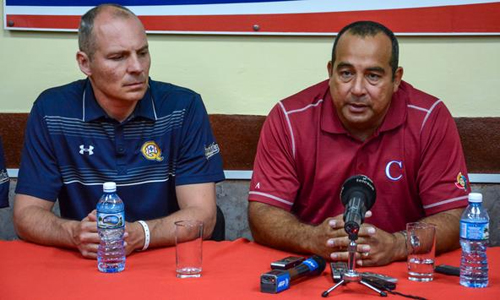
{"x":442,"y":177}
{"x":39,"y":174}
{"x":199,"y":158}
{"x":274,"y":180}
{"x":4,"y":180}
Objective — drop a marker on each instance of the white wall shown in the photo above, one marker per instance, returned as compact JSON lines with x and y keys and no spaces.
{"x":248,"y":74}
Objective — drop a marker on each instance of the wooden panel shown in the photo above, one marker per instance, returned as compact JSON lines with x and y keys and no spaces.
{"x":12,"y":132}
{"x":481,"y":142}
{"x":238,"y":135}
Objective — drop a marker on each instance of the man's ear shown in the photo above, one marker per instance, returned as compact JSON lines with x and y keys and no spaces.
{"x":83,"y":62}
{"x":329,"y":67}
{"x":398,"y":76}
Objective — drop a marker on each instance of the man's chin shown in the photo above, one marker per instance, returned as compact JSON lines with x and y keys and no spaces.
{"x":357,"y":118}
{"x":135,"y":95}
{"x":359,"y":122}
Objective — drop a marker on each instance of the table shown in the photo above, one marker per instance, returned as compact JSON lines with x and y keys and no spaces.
{"x":231,"y":270}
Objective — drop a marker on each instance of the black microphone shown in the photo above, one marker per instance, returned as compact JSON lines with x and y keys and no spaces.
{"x":277,"y":280}
{"x":358,"y":195}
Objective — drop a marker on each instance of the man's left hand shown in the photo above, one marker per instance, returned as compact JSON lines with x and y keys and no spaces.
{"x":382,"y":246}
{"x":134,"y":237}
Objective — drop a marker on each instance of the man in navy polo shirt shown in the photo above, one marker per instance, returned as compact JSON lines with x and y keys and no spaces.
{"x":363,"y":120}
{"x":4,"y":180}
{"x":152,"y":138}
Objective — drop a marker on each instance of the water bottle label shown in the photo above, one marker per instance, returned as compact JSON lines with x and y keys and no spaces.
{"x":474,"y":231}
{"x":110,"y":220}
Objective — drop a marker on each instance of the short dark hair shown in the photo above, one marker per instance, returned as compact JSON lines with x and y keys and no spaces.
{"x":370,"y":28}
{"x":86,"y":40}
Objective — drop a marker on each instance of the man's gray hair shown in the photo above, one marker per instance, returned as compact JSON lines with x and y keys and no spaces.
{"x":86,"y":40}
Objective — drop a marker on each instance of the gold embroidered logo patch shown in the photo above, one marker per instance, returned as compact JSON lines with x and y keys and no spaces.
{"x":151,"y":151}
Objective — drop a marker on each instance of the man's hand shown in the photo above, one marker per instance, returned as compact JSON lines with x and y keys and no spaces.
{"x":375,"y":247}
{"x":85,"y":236}
{"x":338,"y":245}
{"x":381,"y":249}
{"x":87,"y":239}
{"x":134,"y":237}
{"x":327,"y":237}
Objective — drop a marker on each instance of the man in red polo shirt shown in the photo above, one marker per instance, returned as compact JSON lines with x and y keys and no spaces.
{"x":363,"y":120}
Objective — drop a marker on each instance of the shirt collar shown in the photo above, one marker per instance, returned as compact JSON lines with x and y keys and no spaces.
{"x":396,"y":115}
{"x":92,"y":110}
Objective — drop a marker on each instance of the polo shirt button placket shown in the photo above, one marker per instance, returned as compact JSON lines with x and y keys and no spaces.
{"x":120,"y":150}
{"x":122,"y":170}
{"x":360,"y":162}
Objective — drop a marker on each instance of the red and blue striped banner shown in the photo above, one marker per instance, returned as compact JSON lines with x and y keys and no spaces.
{"x":293,"y":17}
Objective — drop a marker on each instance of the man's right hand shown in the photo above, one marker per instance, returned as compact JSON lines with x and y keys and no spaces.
{"x":85,"y":236}
{"x":326,"y":236}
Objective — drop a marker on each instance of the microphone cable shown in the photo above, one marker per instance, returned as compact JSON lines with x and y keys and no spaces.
{"x":390,"y":289}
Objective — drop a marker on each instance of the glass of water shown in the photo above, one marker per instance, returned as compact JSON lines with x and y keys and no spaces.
{"x":188,"y":248}
{"x":421,"y":248}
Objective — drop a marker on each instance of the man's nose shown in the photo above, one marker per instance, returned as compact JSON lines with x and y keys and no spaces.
{"x":135,"y":64}
{"x":358,"y":87}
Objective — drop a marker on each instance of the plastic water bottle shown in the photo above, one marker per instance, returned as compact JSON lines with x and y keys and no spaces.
{"x":474,"y":234}
{"x":111,"y":227}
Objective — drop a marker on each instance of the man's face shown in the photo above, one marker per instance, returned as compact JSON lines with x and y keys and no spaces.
{"x":119,"y":67}
{"x":361,"y":83}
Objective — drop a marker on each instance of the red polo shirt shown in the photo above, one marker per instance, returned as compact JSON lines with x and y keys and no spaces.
{"x":415,"y":159}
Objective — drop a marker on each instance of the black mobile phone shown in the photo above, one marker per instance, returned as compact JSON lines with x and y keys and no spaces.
{"x":379,"y":276}
{"x":448,"y":270}
{"x":287,"y":262}
{"x":380,"y":283}
{"x":338,"y":269}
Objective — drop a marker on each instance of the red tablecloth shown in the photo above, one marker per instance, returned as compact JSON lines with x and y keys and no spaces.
{"x":231,"y":270}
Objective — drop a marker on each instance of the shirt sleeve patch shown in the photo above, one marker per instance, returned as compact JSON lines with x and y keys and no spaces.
{"x":461,"y":182}
{"x":211,"y":150}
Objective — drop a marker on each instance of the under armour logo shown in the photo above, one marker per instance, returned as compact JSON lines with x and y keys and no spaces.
{"x":89,"y":150}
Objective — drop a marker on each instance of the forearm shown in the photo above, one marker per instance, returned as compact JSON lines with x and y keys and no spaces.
{"x":280,"y":229}
{"x":36,"y":224}
{"x":447,"y":229}
{"x":162,"y":230}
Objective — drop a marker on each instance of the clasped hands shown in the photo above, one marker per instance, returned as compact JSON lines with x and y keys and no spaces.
{"x":86,"y":238}
{"x":375,"y":247}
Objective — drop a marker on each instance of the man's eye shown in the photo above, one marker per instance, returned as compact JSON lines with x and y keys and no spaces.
{"x":345,"y":74}
{"x":116,"y":57}
{"x":373,"y":77}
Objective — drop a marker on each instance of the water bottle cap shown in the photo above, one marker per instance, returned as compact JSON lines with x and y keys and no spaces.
{"x":109,"y":187}
{"x":475,"y":197}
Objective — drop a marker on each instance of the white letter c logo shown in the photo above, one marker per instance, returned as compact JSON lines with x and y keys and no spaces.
{"x":388,"y":170}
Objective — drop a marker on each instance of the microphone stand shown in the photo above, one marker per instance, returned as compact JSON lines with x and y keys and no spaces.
{"x":352,"y":275}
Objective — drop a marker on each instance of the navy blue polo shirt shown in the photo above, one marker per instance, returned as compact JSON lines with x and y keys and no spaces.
{"x":72,"y":147}
{"x":4,"y":180}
